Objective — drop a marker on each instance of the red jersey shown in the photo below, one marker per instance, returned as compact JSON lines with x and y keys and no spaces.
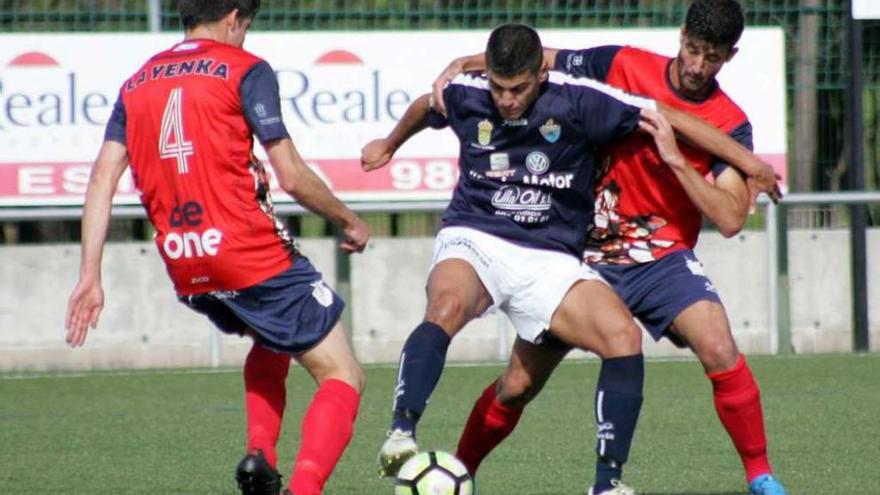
{"x":190,"y":145}
{"x":642,"y":212}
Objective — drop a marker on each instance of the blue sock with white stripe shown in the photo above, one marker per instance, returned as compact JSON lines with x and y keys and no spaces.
{"x":618,"y":402}
{"x":421,"y":364}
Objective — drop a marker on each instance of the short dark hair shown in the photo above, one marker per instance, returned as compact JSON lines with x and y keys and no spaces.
{"x":514,"y":49}
{"x":196,"y":12}
{"x":719,"y":22}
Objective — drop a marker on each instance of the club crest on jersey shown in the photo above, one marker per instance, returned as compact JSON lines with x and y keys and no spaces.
{"x":537,"y":162}
{"x":484,"y":132}
{"x":551,"y":131}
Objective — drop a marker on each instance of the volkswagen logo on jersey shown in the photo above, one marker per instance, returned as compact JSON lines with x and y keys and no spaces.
{"x":484,"y":132}
{"x":537,"y":162}
{"x":551,"y":131}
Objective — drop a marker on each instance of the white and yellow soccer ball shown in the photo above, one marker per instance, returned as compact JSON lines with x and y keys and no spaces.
{"x":433,"y":473}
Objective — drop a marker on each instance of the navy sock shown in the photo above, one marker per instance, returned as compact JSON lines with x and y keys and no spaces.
{"x":618,"y":403}
{"x":421,"y":363}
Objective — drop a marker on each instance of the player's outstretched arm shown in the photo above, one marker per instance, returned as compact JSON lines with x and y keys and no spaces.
{"x":378,"y":152}
{"x":298,"y":180}
{"x":719,"y":144}
{"x":87,"y":299}
{"x":724,"y":203}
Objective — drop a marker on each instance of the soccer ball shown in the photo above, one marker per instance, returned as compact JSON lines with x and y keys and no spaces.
{"x":433,"y":473}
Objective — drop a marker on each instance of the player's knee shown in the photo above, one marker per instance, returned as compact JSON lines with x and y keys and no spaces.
{"x":358,"y":379}
{"x":448,"y":310}
{"x":515,"y":390}
{"x":350,"y":373}
{"x":717,"y":354}
{"x":621,"y":339}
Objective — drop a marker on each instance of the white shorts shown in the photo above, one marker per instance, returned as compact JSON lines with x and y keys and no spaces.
{"x":527,"y":284}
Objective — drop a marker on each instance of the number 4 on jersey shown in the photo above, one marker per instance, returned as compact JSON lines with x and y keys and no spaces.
{"x":172,"y":144}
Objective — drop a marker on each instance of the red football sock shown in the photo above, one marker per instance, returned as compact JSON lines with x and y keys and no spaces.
{"x":489,"y":424}
{"x":738,"y":402}
{"x":265,"y":373}
{"x":326,"y":430}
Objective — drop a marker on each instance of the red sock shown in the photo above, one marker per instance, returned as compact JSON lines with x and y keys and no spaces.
{"x":738,"y":402}
{"x":326,"y":430}
{"x":489,"y":424}
{"x":265,"y":396}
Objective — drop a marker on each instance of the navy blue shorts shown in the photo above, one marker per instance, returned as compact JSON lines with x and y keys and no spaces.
{"x":658,"y":291}
{"x":291,"y":312}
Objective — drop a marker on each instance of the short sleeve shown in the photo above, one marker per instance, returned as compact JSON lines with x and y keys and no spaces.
{"x":451,"y":96}
{"x":607,"y":113}
{"x":742,"y":135}
{"x":261,"y":104}
{"x":115,"y":130}
{"x":594,"y":63}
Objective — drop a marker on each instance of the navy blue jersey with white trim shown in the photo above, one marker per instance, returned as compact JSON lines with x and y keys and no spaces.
{"x":530,"y":181}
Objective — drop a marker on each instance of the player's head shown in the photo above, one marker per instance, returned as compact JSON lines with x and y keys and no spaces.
{"x":515,"y":66}
{"x":708,"y":41}
{"x":230,"y":19}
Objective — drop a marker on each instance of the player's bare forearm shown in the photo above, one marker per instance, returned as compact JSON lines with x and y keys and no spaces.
{"x":304,"y":185}
{"x":414,"y":120}
{"x":109,"y":166}
{"x":472,"y":63}
{"x":712,"y":140}
{"x":724,"y":203}
{"x":550,"y":55}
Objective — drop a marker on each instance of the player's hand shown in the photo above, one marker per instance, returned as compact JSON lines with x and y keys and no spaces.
{"x":655,"y":124}
{"x":376,"y":154}
{"x":83,"y":309}
{"x":765,"y":182}
{"x":455,"y":68}
{"x":355,"y":236}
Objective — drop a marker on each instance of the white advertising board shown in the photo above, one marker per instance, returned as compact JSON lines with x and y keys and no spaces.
{"x":866,"y":9}
{"x":339,"y":90}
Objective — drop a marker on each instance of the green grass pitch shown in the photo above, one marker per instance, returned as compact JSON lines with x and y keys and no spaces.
{"x":181,"y":432}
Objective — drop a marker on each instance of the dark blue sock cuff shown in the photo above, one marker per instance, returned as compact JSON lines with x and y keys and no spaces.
{"x":623,"y":374}
{"x":429,"y":336}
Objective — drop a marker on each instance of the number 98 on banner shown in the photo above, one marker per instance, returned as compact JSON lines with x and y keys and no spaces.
{"x":433,"y":175}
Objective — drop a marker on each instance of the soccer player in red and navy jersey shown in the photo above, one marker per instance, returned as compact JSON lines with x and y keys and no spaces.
{"x":185,"y":122}
{"x":648,"y":211}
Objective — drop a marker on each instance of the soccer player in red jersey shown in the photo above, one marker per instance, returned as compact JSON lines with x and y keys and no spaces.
{"x":185,"y":122}
{"x":649,"y":207}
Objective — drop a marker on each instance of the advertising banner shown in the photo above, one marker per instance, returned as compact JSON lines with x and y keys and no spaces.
{"x":339,"y":90}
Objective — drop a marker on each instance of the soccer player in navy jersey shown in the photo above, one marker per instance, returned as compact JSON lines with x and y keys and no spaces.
{"x":512,"y":236}
{"x":649,"y":207}
{"x":185,"y":123}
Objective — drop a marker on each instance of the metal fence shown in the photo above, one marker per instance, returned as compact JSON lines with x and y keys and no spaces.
{"x":816,"y":30}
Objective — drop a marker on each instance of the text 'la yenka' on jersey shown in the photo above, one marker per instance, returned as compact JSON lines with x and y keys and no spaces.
{"x":530,"y":180}
{"x":187,"y":119}
{"x":642,"y":212}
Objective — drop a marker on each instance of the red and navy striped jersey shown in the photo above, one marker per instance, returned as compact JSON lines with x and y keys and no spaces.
{"x":187,"y":118}
{"x":642,"y":212}
{"x":530,"y":180}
